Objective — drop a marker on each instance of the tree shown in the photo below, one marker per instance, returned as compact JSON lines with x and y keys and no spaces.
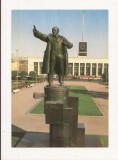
{"x":32,"y":74}
{"x":14,"y":74}
{"x":23,"y":74}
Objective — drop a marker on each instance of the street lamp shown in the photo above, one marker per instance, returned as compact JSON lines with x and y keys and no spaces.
{"x":36,"y":71}
{"x":17,"y":67}
{"x":36,"y":76}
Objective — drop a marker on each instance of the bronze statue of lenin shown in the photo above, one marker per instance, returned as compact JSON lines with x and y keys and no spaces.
{"x":55,"y":60}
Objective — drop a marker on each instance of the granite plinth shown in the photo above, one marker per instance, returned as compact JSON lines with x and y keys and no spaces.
{"x":61,"y":112}
{"x":81,"y":134}
{"x":56,"y":93}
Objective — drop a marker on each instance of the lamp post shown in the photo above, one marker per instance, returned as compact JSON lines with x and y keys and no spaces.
{"x":17,"y":67}
{"x":36,"y":72}
{"x":36,"y":76}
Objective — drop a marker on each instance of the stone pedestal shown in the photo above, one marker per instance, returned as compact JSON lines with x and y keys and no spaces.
{"x":61,"y":113}
{"x":81,"y":135}
{"x":56,"y":93}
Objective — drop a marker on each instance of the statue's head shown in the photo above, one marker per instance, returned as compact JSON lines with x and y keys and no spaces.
{"x":55,"y":31}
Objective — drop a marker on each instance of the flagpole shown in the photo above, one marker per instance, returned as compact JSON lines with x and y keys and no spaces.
{"x":82,"y":25}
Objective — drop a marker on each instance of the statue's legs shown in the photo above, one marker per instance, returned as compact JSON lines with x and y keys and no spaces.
{"x":56,"y":66}
{"x":50,"y":78}
{"x":61,"y":79}
{"x":59,"y":69}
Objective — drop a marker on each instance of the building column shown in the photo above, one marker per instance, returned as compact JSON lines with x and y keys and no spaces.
{"x":96,"y":69}
{"x":85,"y":69}
{"x":73,"y":70}
{"x":38,"y":69}
{"x":102,"y":68}
{"x":91,"y":69}
{"x":79,"y":70}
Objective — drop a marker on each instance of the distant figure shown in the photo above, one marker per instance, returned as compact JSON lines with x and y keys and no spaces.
{"x":28,"y":86}
{"x":89,"y":79}
{"x":55,"y":56}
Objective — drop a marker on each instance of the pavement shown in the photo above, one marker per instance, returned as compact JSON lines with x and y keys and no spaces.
{"x":23,"y":102}
{"x":41,"y":139}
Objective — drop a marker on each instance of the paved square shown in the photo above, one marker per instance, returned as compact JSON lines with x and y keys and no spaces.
{"x":23,"y":101}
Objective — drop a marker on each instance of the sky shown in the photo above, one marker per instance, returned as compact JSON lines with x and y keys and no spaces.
{"x":70,"y":24}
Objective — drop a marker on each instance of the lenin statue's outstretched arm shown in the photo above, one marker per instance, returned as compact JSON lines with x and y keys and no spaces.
{"x":40,"y":35}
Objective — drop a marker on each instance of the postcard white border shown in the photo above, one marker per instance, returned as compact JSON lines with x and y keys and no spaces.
{"x":9,"y":153}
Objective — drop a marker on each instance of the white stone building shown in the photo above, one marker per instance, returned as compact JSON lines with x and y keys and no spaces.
{"x":79,"y":66}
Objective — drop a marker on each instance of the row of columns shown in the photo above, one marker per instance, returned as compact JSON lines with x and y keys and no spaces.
{"x":73,"y":71}
{"x":85,"y":69}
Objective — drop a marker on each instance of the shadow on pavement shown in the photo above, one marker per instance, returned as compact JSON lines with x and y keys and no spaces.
{"x":41,"y":139}
{"x":17,"y":135}
{"x":95,"y":94}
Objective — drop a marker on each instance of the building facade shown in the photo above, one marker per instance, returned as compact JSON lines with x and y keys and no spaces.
{"x":77,"y":66}
{"x":83,"y":66}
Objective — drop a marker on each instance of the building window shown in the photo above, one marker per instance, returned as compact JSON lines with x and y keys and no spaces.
{"x":99,"y":69}
{"x":76,"y":66}
{"x":82,"y":68}
{"x":23,"y":65}
{"x":94,"y":69}
{"x":36,"y":67}
{"x":70,"y":68}
{"x":88,"y":68}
